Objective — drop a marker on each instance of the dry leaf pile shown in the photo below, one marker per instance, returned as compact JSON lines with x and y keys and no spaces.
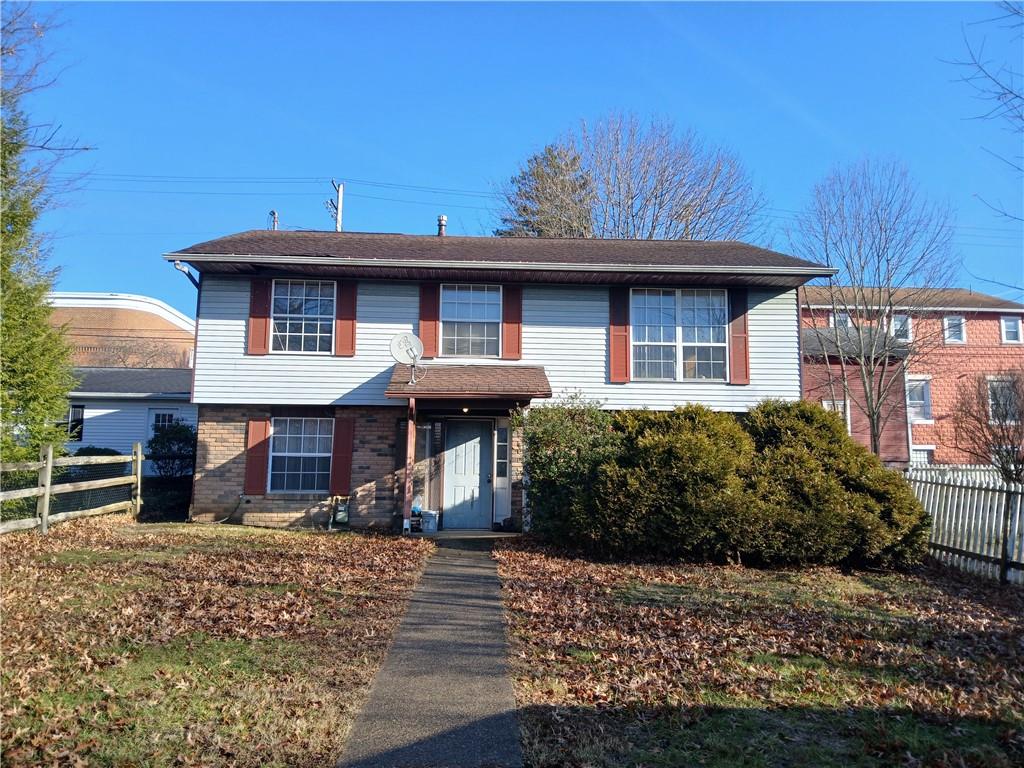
{"x":126,"y":644}
{"x":686,"y":665}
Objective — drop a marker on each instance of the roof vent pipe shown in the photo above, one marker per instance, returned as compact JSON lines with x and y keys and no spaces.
{"x":442,"y":225}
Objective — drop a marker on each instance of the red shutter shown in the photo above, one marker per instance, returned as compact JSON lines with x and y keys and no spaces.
{"x":257,"y":447}
{"x":512,"y":322}
{"x":430,"y":317}
{"x":739,"y":341}
{"x":618,"y":335}
{"x":345,"y":319}
{"x":259,"y":316}
{"x":341,"y":456}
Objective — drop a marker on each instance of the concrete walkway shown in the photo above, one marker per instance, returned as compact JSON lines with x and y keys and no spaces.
{"x":443,"y":697}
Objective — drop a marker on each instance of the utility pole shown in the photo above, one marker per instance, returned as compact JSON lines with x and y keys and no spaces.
{"x":335,"y":206}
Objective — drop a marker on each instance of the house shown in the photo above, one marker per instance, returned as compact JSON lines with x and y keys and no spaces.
{"x":123,"y":330}
{"x":302,"y":408}
{"x":960,"y":334}
{"x":117,"y":407}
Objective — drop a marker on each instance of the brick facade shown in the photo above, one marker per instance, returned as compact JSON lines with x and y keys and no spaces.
{"x":378,"y":467}
{"x":123,"y":338}
{"x":220,"y":471}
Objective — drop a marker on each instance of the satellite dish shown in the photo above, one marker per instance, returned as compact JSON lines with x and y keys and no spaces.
{"x":406,"y":349}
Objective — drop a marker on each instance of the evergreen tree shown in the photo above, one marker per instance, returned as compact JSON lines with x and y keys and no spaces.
{"x":35,"y":360}
{"x":550,"y":197}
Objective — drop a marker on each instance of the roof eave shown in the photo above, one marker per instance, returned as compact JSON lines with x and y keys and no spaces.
{"x":183,"y":396}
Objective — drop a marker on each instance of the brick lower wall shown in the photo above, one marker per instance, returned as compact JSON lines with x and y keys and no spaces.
{"x":217,"y":491}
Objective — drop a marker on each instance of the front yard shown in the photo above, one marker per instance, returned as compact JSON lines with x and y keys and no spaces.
{"x":128,"y":644}
{"x":625,"y":665}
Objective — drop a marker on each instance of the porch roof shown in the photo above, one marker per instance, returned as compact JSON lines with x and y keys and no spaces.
{"x":438,"y":381}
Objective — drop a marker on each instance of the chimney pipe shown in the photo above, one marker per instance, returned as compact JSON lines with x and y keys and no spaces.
{"x":442,"y":225}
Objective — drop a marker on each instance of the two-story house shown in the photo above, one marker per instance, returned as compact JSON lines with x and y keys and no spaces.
{"x":958,"y":335}
{"x":301,"y":403}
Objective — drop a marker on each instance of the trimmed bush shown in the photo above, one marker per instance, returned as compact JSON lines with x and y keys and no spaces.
{"x":788,"y":486}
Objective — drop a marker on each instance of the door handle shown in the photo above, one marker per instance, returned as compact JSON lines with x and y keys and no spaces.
{"x":488,"y":477}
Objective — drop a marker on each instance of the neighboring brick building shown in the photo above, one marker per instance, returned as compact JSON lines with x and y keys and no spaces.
{"x":123,"y":330}
{"x":964,"y":334}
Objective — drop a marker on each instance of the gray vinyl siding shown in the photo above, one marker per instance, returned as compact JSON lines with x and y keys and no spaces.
{"x":225,"y":374}
{"x":118,"y":424}
{"x":565,"y":329}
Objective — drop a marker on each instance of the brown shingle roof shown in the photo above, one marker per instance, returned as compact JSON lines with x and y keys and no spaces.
{"x":436,"y":380}
{"x":920,"y":298}
{"x":526,"y":251}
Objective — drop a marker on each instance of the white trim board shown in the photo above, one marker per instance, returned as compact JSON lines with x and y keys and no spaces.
{"x":98,"y":300}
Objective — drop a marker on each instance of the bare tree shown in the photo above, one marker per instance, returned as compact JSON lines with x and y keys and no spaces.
{"x":138,"y":353}
{"x":999,"y":84}
{"x":892,"y":250}
{"x":989,"y":422}
{"x":621,"y":179}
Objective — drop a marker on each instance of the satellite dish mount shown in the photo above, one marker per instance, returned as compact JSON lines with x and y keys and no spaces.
{"x":407,"y":349}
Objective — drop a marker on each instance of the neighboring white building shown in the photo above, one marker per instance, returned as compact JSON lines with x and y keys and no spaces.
{"x":117,"y":407}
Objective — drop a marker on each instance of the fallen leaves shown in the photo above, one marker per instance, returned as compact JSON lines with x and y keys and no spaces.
{"x":192,"y":645}
{"x":628,"y":664}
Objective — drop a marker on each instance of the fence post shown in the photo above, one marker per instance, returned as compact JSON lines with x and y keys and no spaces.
{"x":45,"y":476}
{"x":137,"y":485}
{"x":1004,"y":552}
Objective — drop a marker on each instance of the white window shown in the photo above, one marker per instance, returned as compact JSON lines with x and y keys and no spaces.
{"x":954,"y":329}
{"x":842,"y":320}
{"x":300,"y":454}
{"x":919,"y":399}
{"x":1003,"y":404}
{"x":922,"y":454}
{"x":160,"y":418}
{"x":902,"y":328}
{"x":76,"y":423}
{"x":679,"y":334}
{"x":303,"y":316}
{"x":1010,"y":325}
{"x":839,"y":406}
{"x":501,"y":459}
{"x":470,"y":320}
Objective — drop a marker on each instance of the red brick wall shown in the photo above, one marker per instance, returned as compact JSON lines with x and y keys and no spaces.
{"x":894,"y":450}
{"x":116,"y":336}
{"x":220,"y":471}
{"x":949,"y":365}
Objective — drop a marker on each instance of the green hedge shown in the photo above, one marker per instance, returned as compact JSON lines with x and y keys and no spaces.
{"x":786,"y":485}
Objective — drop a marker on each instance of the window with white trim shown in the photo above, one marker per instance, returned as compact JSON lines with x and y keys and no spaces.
{"x":902,"y":329}
{"x":470,"y":320}
{"x":953,"y":329}
{"x":679,"y":334}
{"x":160,"y":418}
{"x":501,"y":457}
{"x":300,"y":454}
{"x":842,"y":320}
{"x":1010,"y":326}
{"x":922,"y":454}
{"x":76,"y":423}
{"x":919,"y":399}
{"x":1003,"y":403}
{"x":302,"y":312}
{"x":839,"y":406}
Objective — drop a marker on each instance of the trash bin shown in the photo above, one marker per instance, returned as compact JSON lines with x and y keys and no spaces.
{"x":429,"y":521}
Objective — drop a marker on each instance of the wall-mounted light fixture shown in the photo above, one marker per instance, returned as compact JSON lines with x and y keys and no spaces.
{"x":465,"y":410}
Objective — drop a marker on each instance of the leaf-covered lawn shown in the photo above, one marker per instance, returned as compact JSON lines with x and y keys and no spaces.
{"x":642,"y":665}
{"x":148,"y":645}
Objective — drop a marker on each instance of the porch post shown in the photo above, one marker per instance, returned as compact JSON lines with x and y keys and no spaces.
{"x":410,"y":461}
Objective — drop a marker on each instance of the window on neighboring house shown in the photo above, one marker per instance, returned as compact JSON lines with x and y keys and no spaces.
{"x":902,"y":328}
{"x":470,"y":320}
{"x":919,"y":400}
{"x":1011,"y":329}
{"x":679,"y":334}
{"x":922,"y":455}
{"x":160,"y":418}
{"x":842,"y":320}
{"x":839,"y":406}
{"x":303,"y":316}
{"x":954,"y":330}
{"x":300,"y":454}
{"x":76,"y":423}
{"x":1003,"y":405}
{"x":501,"y":462}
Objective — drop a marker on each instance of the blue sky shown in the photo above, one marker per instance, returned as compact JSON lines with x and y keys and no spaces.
{"x":207,"y":116}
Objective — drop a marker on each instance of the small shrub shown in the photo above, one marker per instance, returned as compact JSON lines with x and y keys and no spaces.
{"x":172,"y":449}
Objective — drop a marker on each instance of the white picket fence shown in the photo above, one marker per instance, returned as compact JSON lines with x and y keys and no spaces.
{"x":977,"y":521}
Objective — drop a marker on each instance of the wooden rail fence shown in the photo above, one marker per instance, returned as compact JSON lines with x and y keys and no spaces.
{"x":977,"y":522}
{"x":45,"y":488}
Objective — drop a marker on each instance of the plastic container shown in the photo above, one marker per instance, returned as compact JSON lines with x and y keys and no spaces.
{"x":429,"y":521}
